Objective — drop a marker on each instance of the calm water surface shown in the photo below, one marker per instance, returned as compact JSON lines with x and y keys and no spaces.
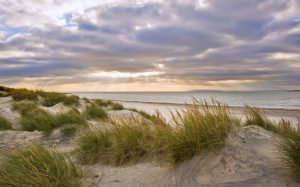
{"x":263,"y":99}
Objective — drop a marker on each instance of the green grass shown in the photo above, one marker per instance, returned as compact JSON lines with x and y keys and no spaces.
{"x":156,"y":118}
{"x":289,"y":147}
{"x":125,"y":142}
{"x":200,"y":128}
{"x":69,"y":130}
{"x":285,"y":128}
{"x":102,"y":102}
{"x":53,"y":98}
{"x":4,"y":94}
{"x":255,"y":116}
{"x":94,"y":111}
{"x":37,"y":166}
{"x":48,"y":98}
{"x":22,"y":94}
{"x":289,"y":152}
{"x":94,"y":145}
{"x":4,"y":124}
{"x":117,"y":106}
{"x":34,"y":118}
{"x":71,"y":117}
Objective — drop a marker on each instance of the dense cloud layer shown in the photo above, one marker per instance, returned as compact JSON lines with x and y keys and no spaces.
{"x":170,"y":45}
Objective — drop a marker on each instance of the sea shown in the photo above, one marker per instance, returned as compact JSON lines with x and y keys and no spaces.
{"x":261,"y":99}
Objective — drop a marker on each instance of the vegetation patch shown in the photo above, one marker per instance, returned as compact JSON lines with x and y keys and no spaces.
{"x":53,"y":98}
{"x":125,"y":142}
{"x":289,"y":151}
{"x":37,"y":166}
{"x":117,"y":106}
{"x":34,"y":118}
{"x":22,"y":94}
{"x":101,"y":102}
{"x":94,"y":111}
{"x":198,"y":129}
{"x":201,"y":127}
{"x":73,"y":116}
{"x":4,"y":124}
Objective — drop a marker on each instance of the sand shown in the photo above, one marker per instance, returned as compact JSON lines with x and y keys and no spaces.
{"x":247,"y":160}
{"x":274,"y":114}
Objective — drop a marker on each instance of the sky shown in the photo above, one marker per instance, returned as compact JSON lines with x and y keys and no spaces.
{"x":150,"y":45}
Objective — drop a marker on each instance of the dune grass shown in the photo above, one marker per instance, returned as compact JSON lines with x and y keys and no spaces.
{"x":198,"y":129}
{"x":37,"y":166}
{"x":48,"y":98}
{"x":35,"y":118}
{"x":4,"y":124}
{"x":122,"y":143}
{"x":72,"y":116}
{"x":284,"y":127}
{"x":102,"y":103}
{"x":289,"y":152}
{"x":94,"y":111}
{"x":201,"y":127}
{"x":117,"y":106}
{"x":53,"y":98}
{"x":22,"y":94}
{"x":255,"y":116}
{"x":289,"y":147}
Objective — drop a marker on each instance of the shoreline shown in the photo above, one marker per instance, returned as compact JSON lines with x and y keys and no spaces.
{"x":166,"y":109}
{"x":184,"y":104}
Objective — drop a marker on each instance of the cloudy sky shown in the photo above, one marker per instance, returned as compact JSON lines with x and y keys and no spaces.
{"x":150,"y":45}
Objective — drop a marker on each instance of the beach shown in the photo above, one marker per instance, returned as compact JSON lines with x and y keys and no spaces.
{"x":248,"y":158}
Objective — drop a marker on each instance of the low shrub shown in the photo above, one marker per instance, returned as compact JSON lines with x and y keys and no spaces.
{"x":37,"y":166}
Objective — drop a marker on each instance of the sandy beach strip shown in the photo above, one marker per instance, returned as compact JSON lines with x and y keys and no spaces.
{"x":165,"y":109}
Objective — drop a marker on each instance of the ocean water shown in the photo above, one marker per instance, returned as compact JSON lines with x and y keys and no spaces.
{"x":262,"y":99}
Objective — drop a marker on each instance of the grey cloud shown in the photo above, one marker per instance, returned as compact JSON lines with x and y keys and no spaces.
{"x":235,"y":30}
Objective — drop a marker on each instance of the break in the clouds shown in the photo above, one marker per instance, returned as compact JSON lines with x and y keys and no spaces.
{"x":154,"y":45}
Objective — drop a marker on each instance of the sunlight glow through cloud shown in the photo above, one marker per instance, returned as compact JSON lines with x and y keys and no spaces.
{"x":116,"y":74}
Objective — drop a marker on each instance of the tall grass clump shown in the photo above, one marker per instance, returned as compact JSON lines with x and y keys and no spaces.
{"x":201,"y":127}
{"x":289,"y":148}
{"x":4,"y":124}
{"x":53,"y":98}
{"x":255,"y":116}
{"x":117,"y":106}
{"x":125,"y":142}
{"x":102,"y":102}
{"x":94,"y":145}
{"x":72,"y":116}
{"x":94,"y":111}
{"x":22,"y":94}
{"x":37,"y":166}
{"x":284,"y":127}
{"x":33,"y":118}
{"x":289,"y":152}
